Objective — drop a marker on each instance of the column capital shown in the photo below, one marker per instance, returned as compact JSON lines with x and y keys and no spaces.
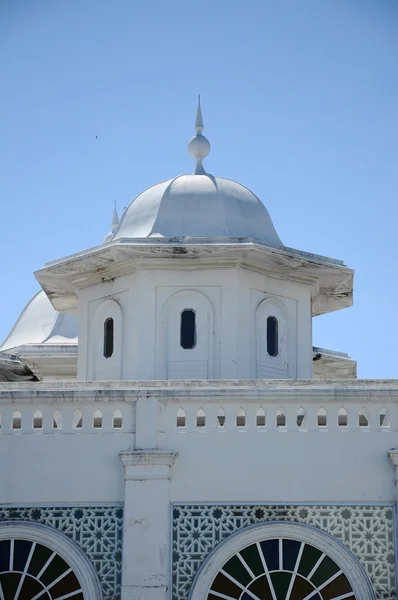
{"x":147,"y":464}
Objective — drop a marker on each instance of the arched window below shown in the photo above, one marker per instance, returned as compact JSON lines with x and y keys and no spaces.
{"x":108,"y":338}
{"x":272,"y":336}
{"x":188,"y":329}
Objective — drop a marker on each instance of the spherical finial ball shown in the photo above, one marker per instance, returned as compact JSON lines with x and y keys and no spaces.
{"x":199,"y":147}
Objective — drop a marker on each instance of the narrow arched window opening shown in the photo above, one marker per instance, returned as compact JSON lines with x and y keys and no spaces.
{"x":57,"y":420}
{"x":188,"y":329}
{"x":322,"y":418}
{"x":77,"y":421}
{"x":97,"y":419}
{"x":117,"y":421}
{"x":280,"y":418}
{"x":38,"y":420}
{"x":384,"y":419}
{"x":301,"y":417}
{"x":260,"y":418}
{"x":241,"y":418}
{"x":272,"y":336}
{"x":201,"y":418}
{"x":17,"y":420}
{"x":363,"y":420}
{"x":342,"y":417}
{"x":108,"y":338}
{"x":220,"y":417}
{"x":181,"y":422}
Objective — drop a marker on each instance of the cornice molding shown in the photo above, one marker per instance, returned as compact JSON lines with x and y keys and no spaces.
{"x":133,"y":458}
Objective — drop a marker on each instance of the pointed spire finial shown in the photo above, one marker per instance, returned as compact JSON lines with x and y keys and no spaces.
{"x":199,"y":146}
{"x":199,"y":119}
{"x":115,"y":219}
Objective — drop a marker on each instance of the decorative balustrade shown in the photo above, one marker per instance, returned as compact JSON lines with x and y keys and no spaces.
{"x":278,"y":418}
{"x":66,"y":419}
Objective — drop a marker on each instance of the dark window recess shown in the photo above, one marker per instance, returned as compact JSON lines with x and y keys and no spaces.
{"x":272,"y":336}
{"x":188,"y":329}
{"x":108,"y":338}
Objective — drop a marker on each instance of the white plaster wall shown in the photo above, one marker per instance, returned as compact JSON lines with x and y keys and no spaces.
{"x":58,"y":469}
{"x":270,"y":464}
{"x":234,"y":295}
{"x":229,"y":464}
{"x":68,"y":465}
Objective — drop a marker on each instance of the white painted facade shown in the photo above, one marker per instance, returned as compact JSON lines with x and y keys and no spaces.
{"x":153,"y":457}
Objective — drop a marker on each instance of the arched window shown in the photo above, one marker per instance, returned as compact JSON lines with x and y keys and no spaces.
{"x":301,"y":417}
{"x":77,"y":421}
{"x":342,"y":417}
{"x":97,"y":419}
{"x":363,"y":420}
{"x":241,"y":418}
{"x":280,"y":418}
{"x":260,"y":418}
{"x":201,"y":418}
{"x":108,"y":338}
{"x":57,"y":420}
{"x":322,"y":417}
{"x":181,"y":421}
{"x":384,"y":417}
{"x":220,"y":417}
{"x":17,"y":420}
{"x":38,"y":420}
{"x":188,"y":329}
{"x":39,"y":562}
{"x":117,"y":421}
{"x":272,"y":336}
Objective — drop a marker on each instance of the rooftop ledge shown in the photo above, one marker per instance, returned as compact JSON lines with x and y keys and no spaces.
{"x":362,"y":390}
{"x":330,"y":280}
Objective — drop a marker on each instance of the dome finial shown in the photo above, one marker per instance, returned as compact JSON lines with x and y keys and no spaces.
{"x":115,"y":225}
{"x":115,"y":219}
{"x":199,"y":146}
{"x":199,"y":118}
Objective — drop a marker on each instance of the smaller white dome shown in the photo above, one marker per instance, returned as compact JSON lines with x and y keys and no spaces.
{"x":40,"y":323}
{"x":198,"y":206}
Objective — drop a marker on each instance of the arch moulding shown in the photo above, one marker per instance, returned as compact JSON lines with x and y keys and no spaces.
{"x":62,"y":545}
{"x":332,"y":547}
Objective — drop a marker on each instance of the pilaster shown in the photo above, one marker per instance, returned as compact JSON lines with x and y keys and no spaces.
{"x":146,"y":532}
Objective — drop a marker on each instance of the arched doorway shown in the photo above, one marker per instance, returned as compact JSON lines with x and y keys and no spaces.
{"x":280,"y":561}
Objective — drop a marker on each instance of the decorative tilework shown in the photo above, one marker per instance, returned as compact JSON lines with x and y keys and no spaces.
{"x":96,"y":529}
{"x":368,"y":531}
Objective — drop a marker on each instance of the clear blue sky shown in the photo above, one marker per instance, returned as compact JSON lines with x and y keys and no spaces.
{"x":300,"y":102}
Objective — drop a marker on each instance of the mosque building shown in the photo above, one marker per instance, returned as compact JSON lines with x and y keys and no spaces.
{"x":169,"y":432}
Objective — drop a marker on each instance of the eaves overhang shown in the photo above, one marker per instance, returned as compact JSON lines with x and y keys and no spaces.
{"x":330,"y":280}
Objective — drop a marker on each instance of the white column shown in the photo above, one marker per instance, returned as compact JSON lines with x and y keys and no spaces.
{"x":146,"y":534}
